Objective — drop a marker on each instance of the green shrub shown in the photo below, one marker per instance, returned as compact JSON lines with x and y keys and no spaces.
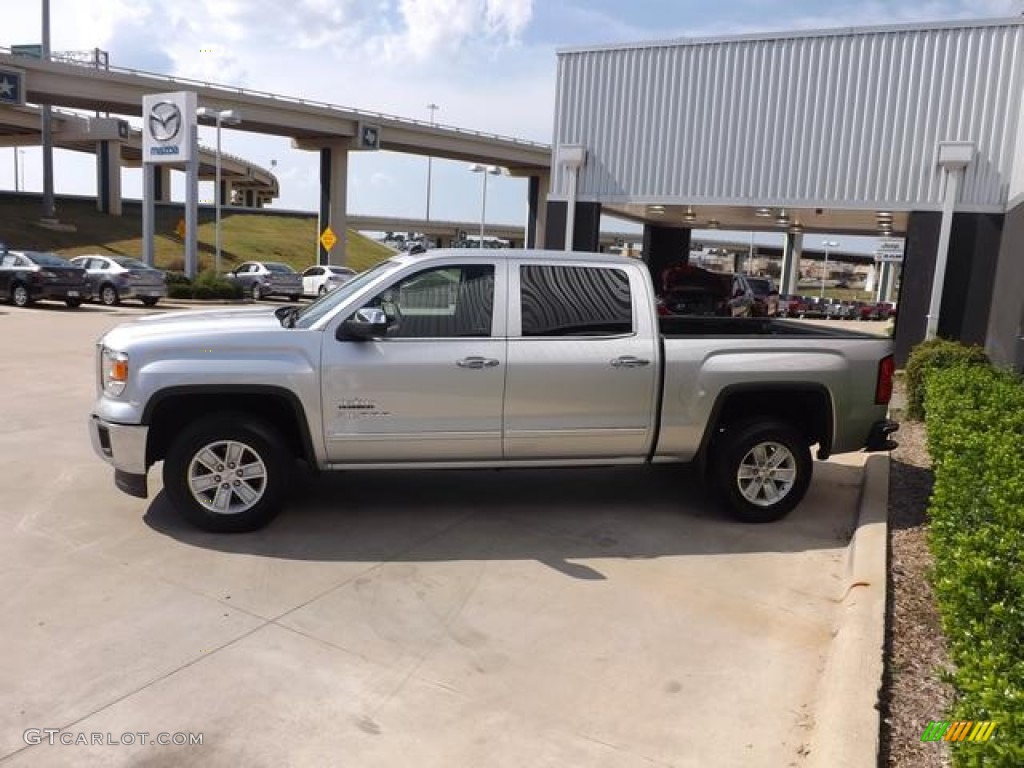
{"x":933,"y":355}
{"x":207,"y":285}
{"x":975,"y":419}
{"x":176,"y":278}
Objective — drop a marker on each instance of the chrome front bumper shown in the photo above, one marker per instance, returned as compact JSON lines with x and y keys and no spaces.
{"x":121,"y":445}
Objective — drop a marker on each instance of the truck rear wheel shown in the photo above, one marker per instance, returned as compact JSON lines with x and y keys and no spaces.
{"x":227,"y":474}
{"x":762,"y":469}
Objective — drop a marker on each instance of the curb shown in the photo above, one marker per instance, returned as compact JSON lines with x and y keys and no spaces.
{"x":847,"y":717}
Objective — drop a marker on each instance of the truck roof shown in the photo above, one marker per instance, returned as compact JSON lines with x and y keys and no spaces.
{"x":514,"y":253}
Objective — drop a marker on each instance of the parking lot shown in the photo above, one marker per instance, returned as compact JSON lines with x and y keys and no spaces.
{"x":514,"y":618}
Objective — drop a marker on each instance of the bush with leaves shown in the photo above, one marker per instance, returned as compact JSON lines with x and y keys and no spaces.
{"x":207,"y":285}
{"x":933,"y":355}
{"x":975,"y":419}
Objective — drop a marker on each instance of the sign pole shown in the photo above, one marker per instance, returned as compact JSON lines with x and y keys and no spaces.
{"x":148,"y":213}
{"x":192,"y":207}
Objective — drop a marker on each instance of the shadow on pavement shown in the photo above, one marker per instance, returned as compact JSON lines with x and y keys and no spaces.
{"x":552,"y":516}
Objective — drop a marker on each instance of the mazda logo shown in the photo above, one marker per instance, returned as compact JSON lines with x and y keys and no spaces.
{"x":164,"y":121}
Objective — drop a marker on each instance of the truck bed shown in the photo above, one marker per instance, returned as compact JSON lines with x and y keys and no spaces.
{"x":682,"y":327}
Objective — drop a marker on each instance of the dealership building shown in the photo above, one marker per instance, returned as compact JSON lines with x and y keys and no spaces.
{"x":897,"y":131}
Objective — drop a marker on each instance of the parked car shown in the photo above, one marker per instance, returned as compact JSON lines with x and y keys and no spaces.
{"x":261,"y":279}
{"x":26,"y":276}
{"x":112,"y":278}
{"x":885,"y":310}
{"x":835,"y":309}
{"x":318,"y":280}
{"x":690,"y":290}
{"x":494,"y":358}
{"x":791,"y":305}
{"x":814,"y":307}
{"x":879,"y":310}
{"x":765,"y":297}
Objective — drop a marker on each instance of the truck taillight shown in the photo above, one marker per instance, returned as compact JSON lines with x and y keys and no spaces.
{"x":883,"y":387}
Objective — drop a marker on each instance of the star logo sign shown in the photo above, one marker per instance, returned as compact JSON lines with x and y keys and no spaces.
{"x":164,"y":121}
{"x":8,"y":88}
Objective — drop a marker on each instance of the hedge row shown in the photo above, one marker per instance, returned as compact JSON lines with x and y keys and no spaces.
{"x":933,"y":355}
{"x":207,"y":285}
{"x":975,"y":420}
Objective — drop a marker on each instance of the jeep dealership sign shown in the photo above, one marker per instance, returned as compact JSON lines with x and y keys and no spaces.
{"x":168,"y":120}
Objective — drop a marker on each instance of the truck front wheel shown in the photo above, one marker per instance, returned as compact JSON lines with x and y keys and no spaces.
{"x":227,"y":474}
{"x":763,"y":470}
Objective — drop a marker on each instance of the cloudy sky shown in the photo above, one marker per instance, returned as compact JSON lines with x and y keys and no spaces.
{"x":488,"y":64}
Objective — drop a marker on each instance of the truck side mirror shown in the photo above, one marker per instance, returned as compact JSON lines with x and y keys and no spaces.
{"x":366,"y":324}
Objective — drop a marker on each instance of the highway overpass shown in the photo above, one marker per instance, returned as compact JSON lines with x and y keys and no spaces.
{"x":116,"y":145}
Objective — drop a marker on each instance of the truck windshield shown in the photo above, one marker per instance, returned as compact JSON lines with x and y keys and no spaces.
{"x":308,"y":315}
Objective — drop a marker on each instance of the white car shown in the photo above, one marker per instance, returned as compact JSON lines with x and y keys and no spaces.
{"x":316,"y":281}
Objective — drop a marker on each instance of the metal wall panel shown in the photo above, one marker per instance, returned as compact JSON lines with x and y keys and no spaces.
{"x":830,"y":118}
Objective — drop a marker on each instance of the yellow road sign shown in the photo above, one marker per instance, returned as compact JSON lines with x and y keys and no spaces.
{"x":328,"y":239}
{"x":180,"y":229}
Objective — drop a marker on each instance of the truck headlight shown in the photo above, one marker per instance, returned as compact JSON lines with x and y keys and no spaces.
{"x":114,"y":371}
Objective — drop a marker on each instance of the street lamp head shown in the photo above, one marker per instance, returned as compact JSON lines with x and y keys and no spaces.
{"x":493,"y":170}
{"x":224,"y":116}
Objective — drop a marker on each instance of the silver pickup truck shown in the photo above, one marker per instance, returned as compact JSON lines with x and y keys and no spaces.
{"x":480,"y":358}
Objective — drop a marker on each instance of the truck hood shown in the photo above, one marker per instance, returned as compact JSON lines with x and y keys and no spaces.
{"x":195,"y":324}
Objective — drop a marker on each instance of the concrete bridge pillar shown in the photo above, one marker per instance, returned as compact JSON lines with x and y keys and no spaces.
{"x":108,"y":177}
{"x":333,"y":203}
{"x":791,"y":255}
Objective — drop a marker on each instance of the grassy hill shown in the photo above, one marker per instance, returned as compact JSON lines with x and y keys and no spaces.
{"x":244,"y":235}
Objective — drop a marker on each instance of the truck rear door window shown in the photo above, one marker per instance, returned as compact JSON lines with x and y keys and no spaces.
{"x":575,"y":301}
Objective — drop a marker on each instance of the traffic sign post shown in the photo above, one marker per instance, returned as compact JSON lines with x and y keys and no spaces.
{"x":328,"y":239}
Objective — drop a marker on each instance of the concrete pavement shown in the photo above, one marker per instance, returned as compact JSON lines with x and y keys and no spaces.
{"x":579,"y":617}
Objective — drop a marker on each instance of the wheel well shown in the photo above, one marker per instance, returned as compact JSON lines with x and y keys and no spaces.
{"x":808,"y":409}
{"x":172,"y":413}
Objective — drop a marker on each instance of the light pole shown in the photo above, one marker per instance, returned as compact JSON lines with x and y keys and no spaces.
{"x":220,"y":117}
{"x":17,"y":183}
{"x":486,"y":170}
{"x":826,"y":244}
{"x":430,"y":160}
{"x":49,"y":209}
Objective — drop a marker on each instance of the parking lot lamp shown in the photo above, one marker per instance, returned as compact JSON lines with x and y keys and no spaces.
{"x":220,"y":117}
{"x":826,"y":244}
{"x":486,"y":170}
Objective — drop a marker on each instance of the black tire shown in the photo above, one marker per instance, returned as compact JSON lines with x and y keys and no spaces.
{"x":260,"y":443}
{"x":735,"y":458}
{"x":73,"y":303}
{"x":322,"y":291}
{"x":108,"y":295}
{"x":149,"y":301}
{"x":257,"y":294}
{"x":294,"y":297}
{"x":20,"y":296}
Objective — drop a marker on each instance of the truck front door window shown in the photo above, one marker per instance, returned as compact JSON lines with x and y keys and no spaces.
{"x":443,"y":302}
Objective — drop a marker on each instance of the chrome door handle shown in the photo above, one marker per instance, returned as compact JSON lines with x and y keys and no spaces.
{"x":476,"y":362}
{"x":628,"y":361}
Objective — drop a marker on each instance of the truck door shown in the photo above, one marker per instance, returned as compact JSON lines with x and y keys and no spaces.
{"x":432,"y":389}
{"x":582,"y":363}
